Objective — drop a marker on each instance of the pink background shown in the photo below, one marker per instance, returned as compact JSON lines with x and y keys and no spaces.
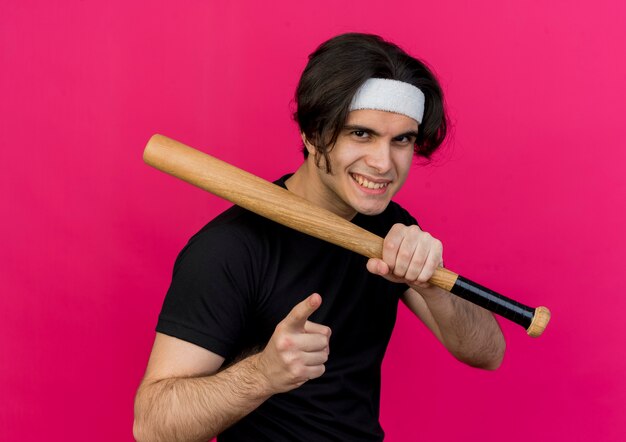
{"x":528,"y":197}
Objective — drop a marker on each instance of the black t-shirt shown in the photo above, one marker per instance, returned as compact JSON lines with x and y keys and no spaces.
{"x":240,"y":275}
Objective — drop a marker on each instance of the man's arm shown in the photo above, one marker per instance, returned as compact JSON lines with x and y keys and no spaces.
{"x":183,"y":397}
{"x":469,"y":332}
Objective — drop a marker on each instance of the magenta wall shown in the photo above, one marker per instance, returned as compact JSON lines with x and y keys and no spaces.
{"x":528,"y":197}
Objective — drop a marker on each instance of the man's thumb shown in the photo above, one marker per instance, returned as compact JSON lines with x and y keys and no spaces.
{"x":298,"y":315}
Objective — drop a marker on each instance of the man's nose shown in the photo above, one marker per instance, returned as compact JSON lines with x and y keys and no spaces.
{"x":379,"y":157}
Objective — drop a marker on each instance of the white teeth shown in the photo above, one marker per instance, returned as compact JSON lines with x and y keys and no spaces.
{"x":369,"y":184}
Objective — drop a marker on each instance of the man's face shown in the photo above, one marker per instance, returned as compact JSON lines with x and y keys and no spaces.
{"x":370,"y":162}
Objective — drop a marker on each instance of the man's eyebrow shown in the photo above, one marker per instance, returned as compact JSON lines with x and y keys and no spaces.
{"x":353,"y":127}
{"x":411,"y":133}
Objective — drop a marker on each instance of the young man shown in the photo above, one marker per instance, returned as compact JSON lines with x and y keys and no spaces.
{"x":244,"y":339}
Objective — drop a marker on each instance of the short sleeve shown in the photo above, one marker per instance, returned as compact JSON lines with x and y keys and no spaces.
{"x":211,"y":293}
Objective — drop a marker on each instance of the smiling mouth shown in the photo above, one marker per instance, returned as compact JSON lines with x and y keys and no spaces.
{"x":364,"y":182}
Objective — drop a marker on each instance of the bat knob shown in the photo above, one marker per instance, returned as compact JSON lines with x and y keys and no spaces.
{"x":539,"y":322}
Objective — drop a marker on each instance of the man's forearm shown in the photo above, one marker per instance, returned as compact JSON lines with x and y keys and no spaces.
{"x":197,"y":409}
{"x":469,"y":332}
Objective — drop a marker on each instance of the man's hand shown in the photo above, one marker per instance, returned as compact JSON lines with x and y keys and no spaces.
{"x":469,"y":332}
{"x":409,"y":255}
{"x":297,"y":350}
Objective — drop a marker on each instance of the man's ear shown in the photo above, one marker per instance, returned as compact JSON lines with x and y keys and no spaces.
{"x":309,"y":147}
{"x":314,"y":154}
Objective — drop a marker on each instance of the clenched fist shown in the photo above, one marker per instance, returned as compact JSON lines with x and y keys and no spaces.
{"x":410,"y":255}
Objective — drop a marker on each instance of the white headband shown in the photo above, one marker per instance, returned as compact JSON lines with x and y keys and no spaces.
{"x":391,"y":96}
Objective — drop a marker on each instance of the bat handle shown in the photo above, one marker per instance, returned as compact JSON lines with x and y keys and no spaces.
{"x":534,"y":320}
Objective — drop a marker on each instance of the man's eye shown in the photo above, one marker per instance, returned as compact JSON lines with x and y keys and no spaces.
{"x":360,"y":133}
{"x":404,"y":139}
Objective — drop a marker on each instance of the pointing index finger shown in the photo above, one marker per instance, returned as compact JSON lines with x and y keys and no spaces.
{"x":298,"y":315}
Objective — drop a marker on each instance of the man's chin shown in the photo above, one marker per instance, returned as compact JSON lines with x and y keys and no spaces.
{"x":372,"y":211}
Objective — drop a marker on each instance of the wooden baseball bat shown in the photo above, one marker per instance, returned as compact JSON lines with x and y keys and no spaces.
{"x":280,"y":205}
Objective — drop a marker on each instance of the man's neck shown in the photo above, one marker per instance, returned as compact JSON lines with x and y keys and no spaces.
{"x":306,"y":183}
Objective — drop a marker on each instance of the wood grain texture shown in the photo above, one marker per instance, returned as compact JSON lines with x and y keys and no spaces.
{"x":539,"y":323}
